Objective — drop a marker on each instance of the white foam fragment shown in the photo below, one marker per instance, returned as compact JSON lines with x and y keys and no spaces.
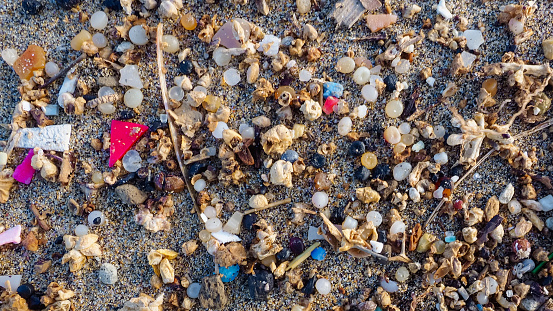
{"x":15,"y":281}
{"x":130,"y":77}
{"x":53,"y":137}
{"x":269,"y":45}
{"x":443,"y":11}
{"x":474,"y":38}
{"x":225,"y":237}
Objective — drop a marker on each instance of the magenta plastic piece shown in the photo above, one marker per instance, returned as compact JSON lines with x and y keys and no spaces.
{"x":13,"y":235}
{"x":24,"y":172}
{"x":330,"y":102}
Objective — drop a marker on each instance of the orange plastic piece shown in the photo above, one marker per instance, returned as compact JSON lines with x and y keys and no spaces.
{"x":34,"y":58}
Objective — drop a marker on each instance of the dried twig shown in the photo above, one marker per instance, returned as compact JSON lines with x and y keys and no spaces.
{"x":170,"y":120}
{"x":64,"y":71}
{"x":277,"y":203}
{"x":368,"y":38}
{"x":41,"y":222}
{"x":104,"y":99}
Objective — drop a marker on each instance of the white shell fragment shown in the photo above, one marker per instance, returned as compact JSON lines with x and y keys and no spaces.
{"x":474,"y":39}
{"x":68,"y":86}
{"x":53,"y":137}
{"x":507,"y":194}
{"x":225,"y":237}
{"x":269,"y":45}
{"x":443,"y":10}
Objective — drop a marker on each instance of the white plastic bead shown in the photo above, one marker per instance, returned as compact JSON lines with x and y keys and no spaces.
{"x":218,"y":132}
{"x":99,"y":20}
{"x":132,"y":161}
{"x":106,"y":108}
{"x":221,"y":56}
{"x":345,"y":65}
{"x":199,"y":185}
{"x":138,"y":35}
{"x":172,"y":44}
{"x":213,"y":225}
{"x":361,"y":75}
{"x":246,"y":131}
{"x":350,"y":223}
{"x":516,"y":26}
{"x":392,"y":135}
{"x":404,"y":128}
{"x":397,"y":227}
{"x":105,"y":90}
{"x":176,"y":93}
{"x":369,"y":92}
{"x":344,"y":126}
{"x":323,"y":286}
{"x":320,"y":199}
{"x":232,"y":76}
{"x":441,"y":158}
{"x":99,"y":40}
{"x":362,"y":111}
{"x":439,"y":131}
{"x":210,"y":211}
{"x":305,"y":75}
{"x":81,"y":230}
{"x":402,"y":274}
{"x":133,"y":98}
{"x":375,"y":217}
{"x":394,"y":108}
{"x":51,"y":69}
{"x":93,"y":218}
{"x":402,"y":170}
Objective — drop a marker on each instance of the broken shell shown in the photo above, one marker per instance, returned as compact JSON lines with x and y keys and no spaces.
{"x":86,"y":241}
{"x":507,"y":194}
{"x":311,"y":110}
{"x":167,"y":271}
{"x":523,"y":226}
{"x":367,"y":195}
{"x":252,"y":73}
{"x":231,"y":138}
{"x":469,"y":234}
{"x":258,"y":201}
{"x":167,"y":253}
{"x":276,"y":140}
{"x":474,"y":216}
{"x":93,"y":251}
{"x":309,"y":32}
{"x":189,"y":247}
{"x":492,"y":208}
{"x":154,"y":258}
{"x":281,"y":173}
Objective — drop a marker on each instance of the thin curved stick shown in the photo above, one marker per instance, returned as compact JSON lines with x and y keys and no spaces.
{"x":170,"y":121}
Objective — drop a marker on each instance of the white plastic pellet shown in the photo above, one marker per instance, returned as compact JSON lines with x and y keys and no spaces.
{"x":133,"y":98}
{"x":99,"y":20}
{"x":99,"y":40}
{"x":51,"y":69}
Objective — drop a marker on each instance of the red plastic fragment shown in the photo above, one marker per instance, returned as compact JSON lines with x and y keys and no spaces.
{"x":330,"y":102}
{"x":24,"y":172}
{"x":458,"y":205}
{"x":123,"y":137}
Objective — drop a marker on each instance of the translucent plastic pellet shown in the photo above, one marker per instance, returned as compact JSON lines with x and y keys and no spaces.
{"x":138,"y":36}
{"x":176,"y":93}
{"x":99,"y":40}
{"x":369,"y":92}
{"x":392,"y":135}
{"x":171,"y":44}
{"x":106,"y":108}
{"x":375,"y":217}
{"x":305,"y":75}
{"x":204,"y":235}
{"x":320,"y":199}
{"x":105,"y":90}
{"x":344,"y":126}
{"x":10,"y":56}
{"x":99,"y":20}
{"x":404,"y":128}
{"x":394,"y":108}
{"x":132,"y":161}
{"x":210,"y":212}
{"x":199,"y":185}
{"x":402,"y":274}
{"x":81,"y":230}
{"x":51,"y":69}
{"x":323,"y":286}
{"x":214,"y":225}
{"x":231,"y":76}
{"x":345,"y":65}
{"x":361,"y":75}
{"x":369,"y":160}
{"x":402,"y":170}
{"x":133,"y":98}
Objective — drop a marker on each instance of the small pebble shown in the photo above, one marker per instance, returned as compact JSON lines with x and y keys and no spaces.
{"x":381,"y":171}
{"x":25,"y":290}
{"x":99,"y":20}
{"x":402,"y":170}
{"x":193,"y":290}
{"x":108,"y":274}
{"x":284,"y":254}
{"x":390,"y":82}
{"x":356,"y":148}
{"x":296,"y":245}
{"x":361,"y":173}
{"x":431,"y":81}
{"x":290,"y":156}
{"x":318,"y":160}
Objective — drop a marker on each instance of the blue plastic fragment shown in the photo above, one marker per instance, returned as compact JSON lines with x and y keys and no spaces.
{"x":318,"y":253}
{"x":332,"y":89}
{"x":450,"y":239}
{"x":480,"y":307}
{"x":378,"y":309}
{"x":229,"y":274}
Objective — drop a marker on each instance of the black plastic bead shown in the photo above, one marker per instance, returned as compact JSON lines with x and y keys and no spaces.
{"x":34,"y":303}
{"x":318,"y":161}
{"x":456,"y":171}
{"x":186,"y":67}
{"x":357,"y":148}
{"x":381,"y":171}
{"x":248,"y":221}
{"x":25,"y":290}
{"x":361,"y":173}
{"x":390,"y":82}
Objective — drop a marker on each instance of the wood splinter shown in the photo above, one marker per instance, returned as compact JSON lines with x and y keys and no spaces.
{"x":277,"y":203}
{"x":41,"y":222}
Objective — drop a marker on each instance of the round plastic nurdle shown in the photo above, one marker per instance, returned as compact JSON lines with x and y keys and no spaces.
{"x":361,"y":75}
{"x":193,"y":290}
{"x":51,"y":69}
{"x":188,"y":21}
{"x":132,"y":161}
{"x":402,"y":170}
{"x":345,"y":65}
{"x":290,"y":156}
{"x":176,"y":93}
{"x":171,"y":44}
{"x":204,"y":236}
{"x":320,"y":199}
{"x":199,"y":185}
{"x":350,"y":223}
{"x":402,"y":274}
{"x":344,"y":126}
{"x":375,"y":217}
{"x":394,"y":108}
{"x":105,"y":90}
{"x":186,"y":67}
{"x":296,"y":245}
{"x":133,"y":98}
{"x":392,"y":135}
{"x":96,"y":218}
{"x":213,"y":225}
{"x":99,"y":20}
{"x":210,"y":212}
{"x":323,"y":286}
{"x":99,"y":40}
{"x":397,"y":227}
{"x":81,"y":230}
{"x":356,"y":148}
{"x":305,"y":75}
{"x":404,"y":128}
{"x":231,"y":76}
{"x":138,"y":36}
{"x":490,"y":85}
{"x":369,"y":160}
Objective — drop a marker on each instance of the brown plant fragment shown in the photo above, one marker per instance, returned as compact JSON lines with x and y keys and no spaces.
{"x":415,"y":237}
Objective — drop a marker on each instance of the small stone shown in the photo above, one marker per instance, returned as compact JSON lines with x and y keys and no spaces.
{"x":296,"y":245}
{"x":99,"y":20}
{"x":381,"y":171}
{"x":34,"y":303}
{"x":507,"y":194}
{"x":68,"y":4}
{"x":332,"y":89}
{"x":474,"y":39}
{"x":138,"y":35}
{"x":390,"y":81}
{"x":212,"y":293}
{"x":402,"y":171}
{"x":376,"y":22}
{"x":547,"y":46}
{"x":260,"y":284}
{"x":108,"y":274}
{"x":186,"y":67}
{"x":130,"y":194}
{"x":431,"y":81}
{"x":323,"y":286}
{"x":303,"y":6}
{"x":193,"y":290}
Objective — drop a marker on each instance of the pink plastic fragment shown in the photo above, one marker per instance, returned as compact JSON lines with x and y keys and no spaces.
{"x":24,"y":172}
{"x":330,"y":102}
{"x":226,"y":38}
{"x":13,"y":235}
